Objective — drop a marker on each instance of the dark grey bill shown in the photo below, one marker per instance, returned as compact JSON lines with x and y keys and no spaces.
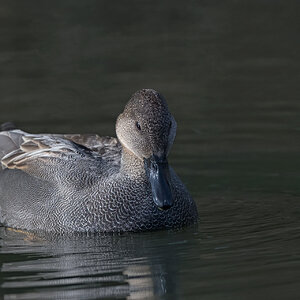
{"x":157,"y":170}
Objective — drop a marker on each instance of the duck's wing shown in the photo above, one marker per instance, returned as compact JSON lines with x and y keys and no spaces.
{"x":107,"y":147}
{"x":57,"y":157}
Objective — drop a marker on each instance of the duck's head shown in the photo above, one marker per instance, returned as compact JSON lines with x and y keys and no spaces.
{"x":147,"y":129}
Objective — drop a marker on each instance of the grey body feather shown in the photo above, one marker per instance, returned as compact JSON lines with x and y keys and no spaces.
{"x":83,"y":183}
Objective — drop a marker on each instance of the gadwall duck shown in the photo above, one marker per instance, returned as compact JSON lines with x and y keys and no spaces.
{"x":87,"y":183}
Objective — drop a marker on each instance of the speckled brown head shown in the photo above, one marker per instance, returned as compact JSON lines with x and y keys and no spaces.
{"x":146,"y":126}
{"x":147,"y":129}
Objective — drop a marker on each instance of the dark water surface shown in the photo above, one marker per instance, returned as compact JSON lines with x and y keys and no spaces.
{"x":230,"y":73}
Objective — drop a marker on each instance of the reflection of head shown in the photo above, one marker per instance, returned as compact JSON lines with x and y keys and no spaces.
{"x":144,"y":282}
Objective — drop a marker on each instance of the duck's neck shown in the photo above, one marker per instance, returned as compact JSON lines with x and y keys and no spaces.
{"x":131,"y":164}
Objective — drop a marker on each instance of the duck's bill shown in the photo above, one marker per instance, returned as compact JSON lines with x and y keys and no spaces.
{"x":157,"y":170}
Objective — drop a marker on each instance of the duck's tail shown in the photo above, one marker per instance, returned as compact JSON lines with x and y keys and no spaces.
{"x":7,"y":126}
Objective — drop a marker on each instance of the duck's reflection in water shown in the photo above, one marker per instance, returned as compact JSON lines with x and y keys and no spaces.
{"x":82,"y":267}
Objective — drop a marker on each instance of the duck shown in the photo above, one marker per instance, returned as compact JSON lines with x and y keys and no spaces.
{"x":87,"y":183}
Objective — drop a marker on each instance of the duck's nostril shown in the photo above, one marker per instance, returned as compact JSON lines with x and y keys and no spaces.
{"x":138,"y":126}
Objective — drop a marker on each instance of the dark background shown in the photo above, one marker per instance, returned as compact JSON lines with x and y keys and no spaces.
{"x":228,"y":69}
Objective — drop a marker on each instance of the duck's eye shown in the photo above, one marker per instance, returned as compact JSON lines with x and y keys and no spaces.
{"x":138,"y":126}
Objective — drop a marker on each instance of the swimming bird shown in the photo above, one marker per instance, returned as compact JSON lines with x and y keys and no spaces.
{"x":87,"y":183}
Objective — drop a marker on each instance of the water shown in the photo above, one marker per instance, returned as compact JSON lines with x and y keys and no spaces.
{"x":230,"y":73}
